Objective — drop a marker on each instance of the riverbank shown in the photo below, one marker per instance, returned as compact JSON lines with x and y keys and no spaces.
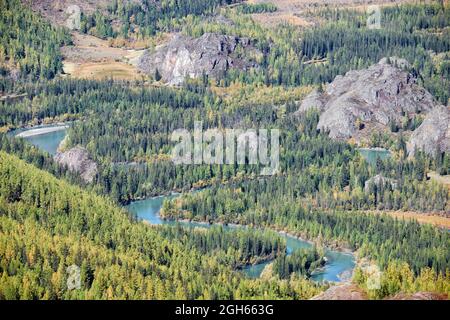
{"x":340,"y":263}
{"x":345,"y":276}
{"x":335,"y":246}
{"x":332,"y":257}
{"x":45,"y":137}
{"x":39,"y":131}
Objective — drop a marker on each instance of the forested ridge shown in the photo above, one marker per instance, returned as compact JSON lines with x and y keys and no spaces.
{"x":145,"y":18}
{"x":127,"y":131}
{"x":75,"y":227}
{"x":119,"y":257}
{"x":29,"y":45}
{"x":418,"y":33}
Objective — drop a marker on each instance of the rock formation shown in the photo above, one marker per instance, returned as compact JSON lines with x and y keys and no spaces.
{"x":421,"y":295}
{"x":433,"y":134}
{"x":377,"y":180}
{"x":77,"y":159}
{"x":182,"y":57}
{"x":371,"y":97}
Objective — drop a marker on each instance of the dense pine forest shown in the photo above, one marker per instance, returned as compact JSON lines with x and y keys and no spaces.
{"x":323,"y":191}
{"x":380,"y":237}
{"x":119,"y":257}
{"x":134,"y":145}
{"x":28,"y":44}
{"x":148,"y":17}
{"x":302,"y":261}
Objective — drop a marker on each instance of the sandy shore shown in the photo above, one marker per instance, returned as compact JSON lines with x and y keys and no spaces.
{"x":39,"y":131}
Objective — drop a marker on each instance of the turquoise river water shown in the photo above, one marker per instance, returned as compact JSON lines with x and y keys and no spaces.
{"x":338,"y":266}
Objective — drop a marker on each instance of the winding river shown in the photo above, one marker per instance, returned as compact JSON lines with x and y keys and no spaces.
{"x":338,"y":267}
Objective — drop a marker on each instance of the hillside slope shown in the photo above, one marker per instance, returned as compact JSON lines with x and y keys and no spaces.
{"x":47,"y":225}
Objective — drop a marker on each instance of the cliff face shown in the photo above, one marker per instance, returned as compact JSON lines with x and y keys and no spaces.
{"x":433,"y":134}
{"x":210,"y":54}
{"x":369,"y":99}
{"x":77,"y":159}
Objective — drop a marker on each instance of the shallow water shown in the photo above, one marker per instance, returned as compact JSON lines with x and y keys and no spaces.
{"x":338,"y":262}
{"x":371,"y":155}
{"x":47,"y":141}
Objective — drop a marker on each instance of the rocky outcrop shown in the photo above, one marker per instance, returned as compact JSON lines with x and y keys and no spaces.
{"x":315,"y":99}
{"x":349,"y":291}
{"x":346,"y":291}
{"x":211,"y":54}
{"x":370,"y":97}
{"x":433,"y":134}
{"x":421,"y":295}
{"x":379,"y":179}
{"x":77,"y":159}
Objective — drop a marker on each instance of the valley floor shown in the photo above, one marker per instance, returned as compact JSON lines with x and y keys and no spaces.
{"x":441,"y":221}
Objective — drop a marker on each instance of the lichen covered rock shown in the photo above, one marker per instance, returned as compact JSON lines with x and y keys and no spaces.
{"x":371,"y":97}
{"x":211,"y":54}
{"x":433,"y":134}
{"x":77,"y":159}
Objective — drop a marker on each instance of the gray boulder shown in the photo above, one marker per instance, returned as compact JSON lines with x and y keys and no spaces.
{"x":77,"y":159}
{"x":371,"y":97}
{"x":182,"y":57}
{"x":379,"y":179}
{"x":313,"y":100}
{"x":433,"y":134}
